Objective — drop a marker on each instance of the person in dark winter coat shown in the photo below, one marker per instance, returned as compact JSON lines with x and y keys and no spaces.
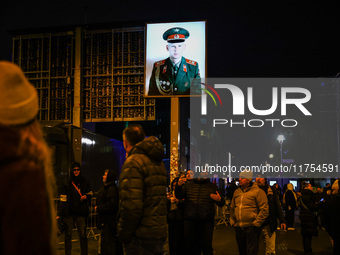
{"x":107,"y":209}
{"x":27,"y":216}
{"x":74,"y":208}
{"x":275,"y":213}
{"x":331,"y":221}
{"x":319,"y":194}
{"x":231,"y":189}
{"x":327,"y":188}
{"x":309,"y":221}
{"x":175,"y":221}
{"x":200,"y":196}
{"x":279,"y":191}
{"x":290,"y":205}
{"x":142,"y":225}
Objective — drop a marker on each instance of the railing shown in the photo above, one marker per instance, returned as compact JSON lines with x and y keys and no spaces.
{"x":221,"y":213}
{"x":91,"y":219}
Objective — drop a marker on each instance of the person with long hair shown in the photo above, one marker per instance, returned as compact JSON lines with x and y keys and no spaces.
{"x":27,"y":216}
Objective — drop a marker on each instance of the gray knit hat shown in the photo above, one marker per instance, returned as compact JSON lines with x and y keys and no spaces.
{"x":246,"y":174}
{"x":18,"y":97}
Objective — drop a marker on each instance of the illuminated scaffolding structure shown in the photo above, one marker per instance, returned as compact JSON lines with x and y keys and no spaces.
{"x":86,"y":74}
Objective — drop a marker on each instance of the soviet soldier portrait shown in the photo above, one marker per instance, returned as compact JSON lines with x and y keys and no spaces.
{"x":175,"y":74}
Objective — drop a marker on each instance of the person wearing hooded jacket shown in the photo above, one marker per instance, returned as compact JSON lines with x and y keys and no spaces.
{"x":142,"y":225}
{"x":107,"y":209}
{"x":290,"y":205}
{"x":248,"y":211}
{"x":74,"y":208}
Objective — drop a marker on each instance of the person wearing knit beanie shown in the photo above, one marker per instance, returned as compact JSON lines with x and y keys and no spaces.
{"x":26,"y":174}
{"x":248,"y":210}
{"x":18,"y":97}
{"x":246,"y":174}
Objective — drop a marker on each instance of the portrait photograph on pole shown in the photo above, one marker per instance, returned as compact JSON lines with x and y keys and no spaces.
{"x":175,"y":58}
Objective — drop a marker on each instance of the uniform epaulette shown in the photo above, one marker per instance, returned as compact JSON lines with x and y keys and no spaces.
{"x":159,"y":63}
{"x":191,"y":62}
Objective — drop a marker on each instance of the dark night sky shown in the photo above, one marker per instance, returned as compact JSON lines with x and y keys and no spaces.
{"x":245,"y":39}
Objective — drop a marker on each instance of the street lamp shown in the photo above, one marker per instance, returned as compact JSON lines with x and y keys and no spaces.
{"x":280,"y":139}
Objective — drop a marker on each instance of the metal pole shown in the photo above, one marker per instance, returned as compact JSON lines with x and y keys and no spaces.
{"x":281,"y":152}
{"x":281,"y":182}
{"x":229,"y":157}
{"x":174,"y":137}
{"x":77,"y":111}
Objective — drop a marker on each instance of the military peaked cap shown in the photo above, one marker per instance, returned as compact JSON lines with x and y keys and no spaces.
{"x":176,"y":34}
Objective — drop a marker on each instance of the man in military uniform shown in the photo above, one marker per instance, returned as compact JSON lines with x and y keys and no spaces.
{"x":174,"y":75}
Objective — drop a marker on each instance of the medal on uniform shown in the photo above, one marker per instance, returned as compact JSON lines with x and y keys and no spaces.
{"x":164,"y":69}
{"x":184,"y":68}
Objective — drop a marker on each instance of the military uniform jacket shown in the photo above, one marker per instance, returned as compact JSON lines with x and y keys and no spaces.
{"x":162,"y":81}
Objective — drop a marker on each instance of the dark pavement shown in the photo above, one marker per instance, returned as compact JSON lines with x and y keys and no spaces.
{"x":287,"y":242}
{"x":224,"y":242}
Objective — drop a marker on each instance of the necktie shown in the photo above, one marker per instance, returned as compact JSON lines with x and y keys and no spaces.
{"x":175,"y":71}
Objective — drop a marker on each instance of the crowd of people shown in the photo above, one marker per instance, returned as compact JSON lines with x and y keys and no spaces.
{"x":137,"y":216}
{"x":132,"y":217}
{"x":188,"y":210}
{"x":318,"y":207}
